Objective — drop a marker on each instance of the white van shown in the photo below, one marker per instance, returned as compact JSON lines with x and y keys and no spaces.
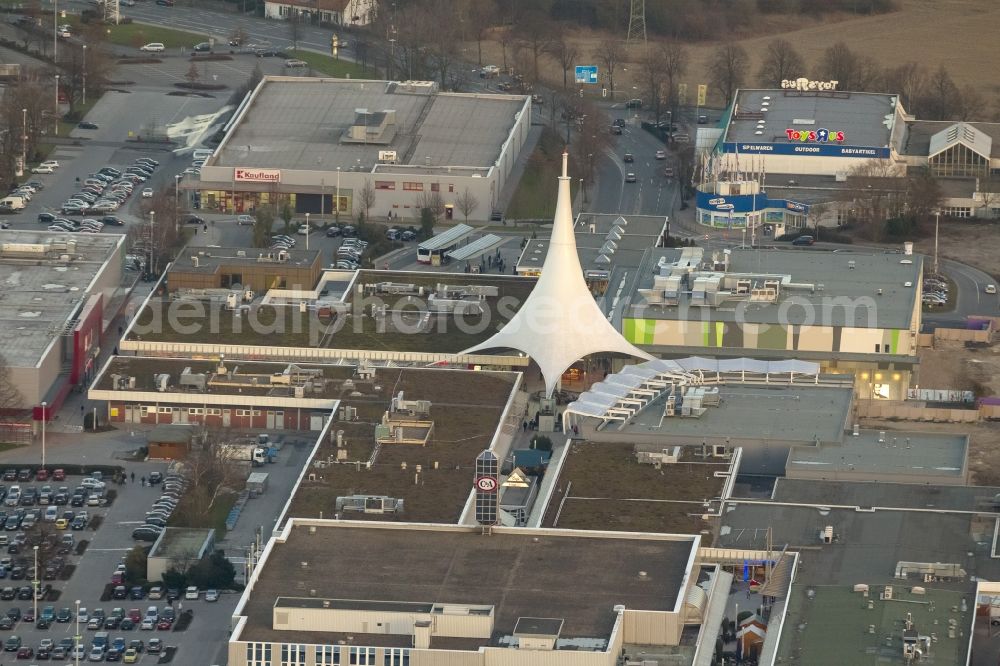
{"x":13,"y":202}
{"x":152,"y":47}
{"x":201,"y":154}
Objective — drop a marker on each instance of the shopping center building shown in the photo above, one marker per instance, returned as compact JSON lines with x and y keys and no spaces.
{"x":778,"y":153}
{"x":370,"y":146}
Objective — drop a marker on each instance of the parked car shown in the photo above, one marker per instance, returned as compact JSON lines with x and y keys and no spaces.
{"x":87,"y":125}
{"x":804,"y":240}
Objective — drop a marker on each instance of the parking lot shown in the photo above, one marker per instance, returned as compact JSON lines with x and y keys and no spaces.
{"x":203,"y":641}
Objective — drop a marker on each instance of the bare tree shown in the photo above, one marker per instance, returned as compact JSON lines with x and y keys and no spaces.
{"x":874,"y":194}
{"x":366,"y":197}
{"x":433,"y":203}
{"x":592,"y":139}
{"x":653,"y":84}
{"x":263,"y":226}
{"x":781,"y":61}
{"x":192,"y":75}
{"x":909,"y":81}
{"x":294,"y":28}
{"x":988,"y":195}
{"x":212,"y":474}
{"x":444,"y":37}
{"x":565,"y":53}
{"x":940,"y":100}
{"x":839,"y":63}
{"x":674,"y":63}
{"x":534,"y":32}
{"x":10,"y":396}
{"x":467,"y":203}
{"x":728,"y":69}
{"x":238,"y":36}
{"x":610,"y":54}
{"x":480,"y":17}
{"x":505,"y":37}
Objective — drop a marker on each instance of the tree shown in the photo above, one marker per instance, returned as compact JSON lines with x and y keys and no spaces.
{"x":534,"y":32}
{"x":286,"y":216}
{"x":262,"y":226}
{"x":10,"y":395}
{"x":839,"y":63}
{"x":212,"y":474}
{"x":212,"y":571}
{"x":727,"y":69}
{"x":294,"y":28}
{"x":238,"y":36}
{"x":426,"y":222}
{"x":444,"y":37}
{"x":941,"y":96}
{"x":135,"y":566}
{"x":480,"y":17}
{"x":192,"y":74}
{"x":366,"y":197}
{"x":908,"y":80}
{"x":674,"y":63}
{"x":565,"y":53}
{"x":505,"y":37}
{"x":780,"y":62}
{"x":610,"y":54}
{"x":467,"y":203}
{"x":874,"y":194}
{"x":988,"y":195}
{"x":432,"y":202}
{"x":651,"y":79}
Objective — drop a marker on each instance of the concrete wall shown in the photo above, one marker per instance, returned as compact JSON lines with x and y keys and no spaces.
{"x":380,"y":621}
{"x":910,"y":411}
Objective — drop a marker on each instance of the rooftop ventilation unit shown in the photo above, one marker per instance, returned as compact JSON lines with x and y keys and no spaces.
{"x":369,"y":504}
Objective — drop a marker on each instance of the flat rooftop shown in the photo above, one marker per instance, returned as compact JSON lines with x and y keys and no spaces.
{"x":611,"y":490}
{"x":817,"y":278}
{"x":40,"y":293}
{"x":467,"y":410}
{"x":928,"y":454}
{"x":408,"y":326}
{"x":181,"y":543}
{"x":209,"y":261}
{"x":520,"y":572}
{"x":899,"y":495}
{"x":860,"y":116}
{"x":248,"y":377}
{"x":299,"y":123}
{"x":637,"y":234}
{"x":868,"y":545}
{"x":830,"y":625}
{"x":785,"y":413}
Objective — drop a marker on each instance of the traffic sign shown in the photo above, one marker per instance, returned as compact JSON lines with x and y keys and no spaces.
{"x":586,"y":73}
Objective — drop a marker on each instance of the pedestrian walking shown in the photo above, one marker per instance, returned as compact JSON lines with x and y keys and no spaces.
{"x":133,"y":477}
{"x":143,"y":481}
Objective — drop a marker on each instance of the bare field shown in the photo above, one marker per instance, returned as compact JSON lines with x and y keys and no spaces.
{"x":973,"y":243}
{"x":960,"y":34}
{"x":951,"y":366}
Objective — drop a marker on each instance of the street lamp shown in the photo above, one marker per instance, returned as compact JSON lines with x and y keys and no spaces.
{"x":308,"y":229}
{"x":35,"y":548}
{"x":152,"y":218}
{"x":84,"y":74}
{"x":57,"y":106}
{"x":177,"y":184}
{"x":44,"y":406}
{"x":55,"y":31}
{"x":937,"y":221}
{"x":76,"y":639}
{"x":24,"y":138}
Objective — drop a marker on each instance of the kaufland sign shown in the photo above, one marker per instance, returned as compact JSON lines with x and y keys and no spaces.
{"x":257,"y":175}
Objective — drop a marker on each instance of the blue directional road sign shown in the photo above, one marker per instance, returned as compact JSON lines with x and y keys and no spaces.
{"x":586,"y":73}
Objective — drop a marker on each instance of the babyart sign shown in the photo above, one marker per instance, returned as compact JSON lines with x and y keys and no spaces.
{"x":257,"y":175}
{"x":806,"y":84}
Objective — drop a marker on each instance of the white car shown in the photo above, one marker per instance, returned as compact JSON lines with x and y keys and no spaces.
{"x":50,"y":163}
{"x":191,"y":593}
{"x":90,"y":483}
{"x":303,"y":230}
{"x":152,"y":47}
{"x":147,"y":193}
{"x":42,"y":169}
{"x":991,"y":289}
{"x":64,"y":32}
{"x":661,"y":154}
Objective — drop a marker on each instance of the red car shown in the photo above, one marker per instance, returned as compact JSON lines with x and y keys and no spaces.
{"x":164,"y":625}
{"x":134,"y":615}
{"x":42,"y":475}
{"x":59,"y":474}
{"x":25,"y":653}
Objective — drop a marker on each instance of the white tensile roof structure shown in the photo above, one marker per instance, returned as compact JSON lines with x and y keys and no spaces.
{"x":560,"y":322}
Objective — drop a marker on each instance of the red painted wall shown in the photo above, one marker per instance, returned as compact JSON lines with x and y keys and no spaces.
{"x":86,"y":337}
